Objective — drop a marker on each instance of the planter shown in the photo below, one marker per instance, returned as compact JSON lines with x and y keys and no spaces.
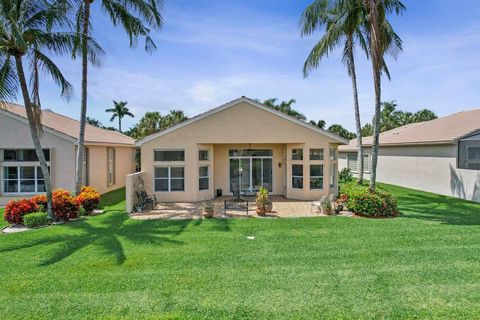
{"x":261,"y":211}
{"x":327,"y":212}
{"x":207,"y":213}
{"x":269,"y":207}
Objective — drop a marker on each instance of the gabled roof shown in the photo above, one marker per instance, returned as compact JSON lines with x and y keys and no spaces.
{"x":232,"y":103}
{"x":69,"y":128}
{"x":445,"y":130}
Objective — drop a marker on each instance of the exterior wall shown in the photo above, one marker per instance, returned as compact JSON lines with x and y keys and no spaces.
{"x":98,"y":165}
{"x":430,"y":168}
{"x":242,"y":124}
{"x":15,"y":134}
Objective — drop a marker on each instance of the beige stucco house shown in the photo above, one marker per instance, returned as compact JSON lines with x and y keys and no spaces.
{"x":241,"y":143}
{"x":440,"y":156}
{"x":109,"y":155}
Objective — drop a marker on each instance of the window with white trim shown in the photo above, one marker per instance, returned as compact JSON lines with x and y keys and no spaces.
{"x":18,"y":155}
{"x":110,"y":167}
{"x":297,"y":176}
{"x":316,"y":154}
{"x":352,"y":162}
{"x":333,"y":175}
{"x":169,"y":178}
{"x":169,"y":155}
{"x":203,"y":155}
{"x":203,"y":178}
{"x":23,"y":179}
{"x":297,"y":154}
{"x":316,"y":176}
{"x":473,"y":157}
{"x":333,"y":154}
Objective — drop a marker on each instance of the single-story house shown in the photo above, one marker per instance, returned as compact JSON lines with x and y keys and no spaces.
{"x":109,"y":154}
{"x":440,"y":156}
{"x":241,"y":144}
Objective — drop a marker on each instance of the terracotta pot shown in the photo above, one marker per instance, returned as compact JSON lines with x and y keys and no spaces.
{"x":269,"y":207}
{"x":261,"y":211}
{"x":207,"y":213}
{"x":327,"y":212}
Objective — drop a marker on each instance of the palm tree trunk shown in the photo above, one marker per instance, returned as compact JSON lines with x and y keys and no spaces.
{"x":358,"y":124}
{"x":34,"y":130}
{"x":119,"y":124}
{"x":83,"y":107}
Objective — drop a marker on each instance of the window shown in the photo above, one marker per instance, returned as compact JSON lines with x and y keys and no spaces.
{"x":203,"y":155}
{"x":473,"y":157}
{"x":203,"y":178}
{"x":23,"y":180}
{"x":10,"y":155}
{"x":169,"y":155}
{"x":169,"y":179}
{"x":110,"y":167}
{"x":352,"y":162}
{"x":316,"y":176}
{"x":297,"y":176}
{"x":333,"y":175}
{"x":250,"y":153}
{"x":333,"y":153}
{"x":316,"y":154}
{"x":297,"y":154}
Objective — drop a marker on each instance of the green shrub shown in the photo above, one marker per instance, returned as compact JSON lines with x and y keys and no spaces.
{"x":345,"y":175}
{"x":35,"y":219}
{"x":360,"y":200}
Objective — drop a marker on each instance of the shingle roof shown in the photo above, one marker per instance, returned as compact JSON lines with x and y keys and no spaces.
{"x":442,"y":130}
{"x":71,"y":127}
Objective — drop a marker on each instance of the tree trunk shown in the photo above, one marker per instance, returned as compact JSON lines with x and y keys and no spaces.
{"x":119,"y":124}
{"x":358,"y":123}
{"x":83,"y":107}
{"x":34,"y":130}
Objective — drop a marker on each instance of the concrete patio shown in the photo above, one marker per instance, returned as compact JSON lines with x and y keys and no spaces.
{"x":282,"y":208}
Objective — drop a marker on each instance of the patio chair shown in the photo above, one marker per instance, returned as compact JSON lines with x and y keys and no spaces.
{"x":235,"y":190}
{"x":318,"y":204}
{"x":145,"y":201}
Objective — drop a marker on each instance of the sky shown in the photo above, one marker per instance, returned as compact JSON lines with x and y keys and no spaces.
{"x":211,"y":52}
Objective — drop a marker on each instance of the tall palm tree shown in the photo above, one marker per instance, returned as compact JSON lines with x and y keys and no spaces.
{"x":26,"y":35}
{"x":343,"y":22}
{"x":382,"y":40}
{"x":285,"y":107}
{"x":119,"y":111}
{"x":136,"y":17}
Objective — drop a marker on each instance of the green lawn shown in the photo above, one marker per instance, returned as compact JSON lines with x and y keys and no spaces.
{"x":424,"y":264}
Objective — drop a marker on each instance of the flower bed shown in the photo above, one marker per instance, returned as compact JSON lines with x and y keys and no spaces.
{"x":89,"y":199}
{"x":16,"y":209}
{"x":360,"y":200}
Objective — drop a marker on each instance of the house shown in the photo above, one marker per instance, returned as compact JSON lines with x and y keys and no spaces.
{"x":440,"y":156}
{"x":241,"y":143}
{"x":109,"y":155}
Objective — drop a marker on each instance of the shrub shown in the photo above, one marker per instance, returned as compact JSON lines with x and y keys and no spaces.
{"x":345,"y":175}
{"x":16,"y":209}
{"x":41,"y":201}
{"x":65,"y":206}
{"x":35,"y":219}
{"x":360,"y":200}
{"x":89,"y":199}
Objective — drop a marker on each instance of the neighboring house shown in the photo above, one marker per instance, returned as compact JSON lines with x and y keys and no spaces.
{"x":242,"y":144}
{"x":440,"y":156}
{"x":109,"y":155}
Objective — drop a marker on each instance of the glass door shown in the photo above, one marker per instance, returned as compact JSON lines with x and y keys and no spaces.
{"x":251,"y":172}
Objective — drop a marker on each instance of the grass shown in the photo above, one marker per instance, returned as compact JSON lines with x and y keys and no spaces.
{"x":424,"y":264}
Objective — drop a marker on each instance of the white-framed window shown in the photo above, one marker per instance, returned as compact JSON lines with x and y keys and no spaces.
{"x":203,"y":178}
{"x":110,"y":166}
{"x":316,"y":176}
{"x":297,"y":154}
{"x":333,"y":154}
{"x":352,"y":162}
{"x":169,"y":155}
{"x":316,"y":154}
{"x":297,"y":176}
{"x":23,"y":179}
{"x":203,"y":155}
{"x":333,"y":175}
{"x":473,"y":157}
{"x":169,"y":178}
{"x":19,"y":155}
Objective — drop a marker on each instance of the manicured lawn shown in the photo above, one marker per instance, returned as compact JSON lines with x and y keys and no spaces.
{"x":425,"y":264}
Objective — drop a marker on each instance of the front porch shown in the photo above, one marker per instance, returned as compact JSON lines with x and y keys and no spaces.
{"x":282,"y":208}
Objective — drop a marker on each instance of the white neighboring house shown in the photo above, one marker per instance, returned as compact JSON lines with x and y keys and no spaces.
{"x":109,"y":155}
{"x":440,"y":156}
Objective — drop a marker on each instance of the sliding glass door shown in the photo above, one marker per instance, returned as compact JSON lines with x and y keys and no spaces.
{"x":251,"y":172}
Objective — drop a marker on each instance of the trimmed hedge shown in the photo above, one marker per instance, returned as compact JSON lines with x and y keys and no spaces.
{"x":361,"y":201}
{"x":35,"y":219}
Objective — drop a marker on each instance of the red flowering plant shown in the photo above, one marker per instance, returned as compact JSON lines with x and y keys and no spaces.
{"x":65,"y":206}
{"x":41,"y":201}
{"x":16,"y":209}
{"x":89,"y":199}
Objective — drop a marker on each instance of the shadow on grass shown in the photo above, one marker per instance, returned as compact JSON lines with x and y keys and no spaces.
{"x":107,"y":235}
{"x":433,"y":207}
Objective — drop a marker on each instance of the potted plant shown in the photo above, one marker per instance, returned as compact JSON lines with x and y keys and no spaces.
{"x":261,"y":201}
{"x":326,"y":207}
{"x":207,"y":210}
{"x":269,"y":206}
{"x":338,"y":206}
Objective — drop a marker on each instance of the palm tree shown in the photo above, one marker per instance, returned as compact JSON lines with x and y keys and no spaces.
{"x":285,"y":107}
{"x":320,"y":123}
{"x":343,"y":22}
{"x":382,"y":40}
{"x":119,"y":111}
{"x":136,"y":17}
{"x":26,"y":35}
{"x":172,"y":118}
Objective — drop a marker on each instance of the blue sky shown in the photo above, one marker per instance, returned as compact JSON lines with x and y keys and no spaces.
{"x":210,"y":52}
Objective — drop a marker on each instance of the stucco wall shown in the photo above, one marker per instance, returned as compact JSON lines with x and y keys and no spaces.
{"x":242,"y":124}
{"x":15,"y":134}
{"x":430,"y":168}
